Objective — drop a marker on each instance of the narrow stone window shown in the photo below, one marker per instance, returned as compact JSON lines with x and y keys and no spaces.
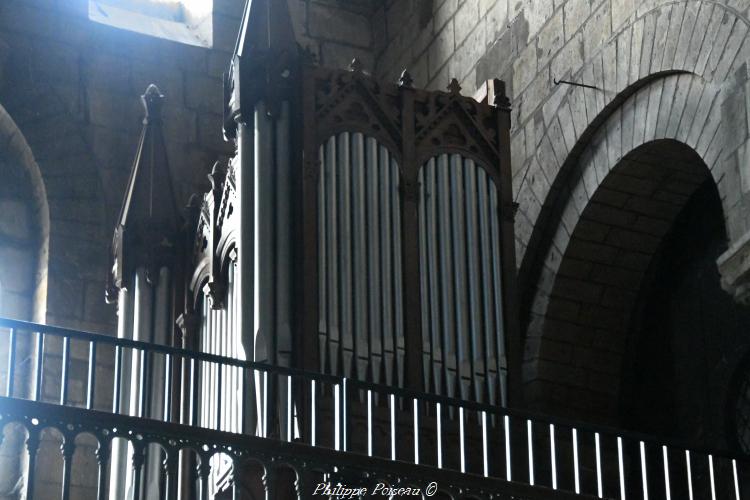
{"x":184,"y":21}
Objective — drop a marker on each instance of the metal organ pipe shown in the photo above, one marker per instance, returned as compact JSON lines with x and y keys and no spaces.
{"x":246,"y":307}
{"x":360,"y":276}
{"x":142,"y":324}
{"x":259,"y":285}
{"x":144,"y":315}
{"x":119,"y":463}
{"x":159,"y":335}
{"x":359,"y":252}
{"x":460,"y":262}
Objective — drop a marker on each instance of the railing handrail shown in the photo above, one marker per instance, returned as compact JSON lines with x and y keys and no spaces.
{"x":98,"y":338}
{"x":354,"y":384}
{"x":188,"y":438}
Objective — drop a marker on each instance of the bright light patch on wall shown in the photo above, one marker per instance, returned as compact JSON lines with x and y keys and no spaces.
{"x":184,"y":21}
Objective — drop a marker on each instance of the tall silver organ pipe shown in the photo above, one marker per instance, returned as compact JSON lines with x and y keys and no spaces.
{"x":462,"y":323}
{"x":219,"y":335}
{"x":359,"y":259}
{"x":145,"y":315}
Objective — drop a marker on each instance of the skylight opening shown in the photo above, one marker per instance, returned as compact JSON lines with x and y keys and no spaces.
{"x":184,"y":21}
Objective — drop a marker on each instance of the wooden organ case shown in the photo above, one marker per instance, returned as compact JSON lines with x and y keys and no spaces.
{"x":361,"y":229}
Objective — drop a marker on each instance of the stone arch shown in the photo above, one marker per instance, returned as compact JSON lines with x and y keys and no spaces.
{"x":76,"y":157}
{"x":657,"y":80}
{"x":24,"y":251}
{"x":24,"y":226}
{"x":579,"y":336}
{"x":636,"y":69}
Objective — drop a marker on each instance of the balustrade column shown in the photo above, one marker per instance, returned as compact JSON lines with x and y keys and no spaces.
{"x":103,"y":453}
{"x":171,"y":467}
{"x":204,"y":474}
{"x":68,"y":448}
{"x":32,"y":446}
{"x":269,"y":482}
{"x":138,"y":459}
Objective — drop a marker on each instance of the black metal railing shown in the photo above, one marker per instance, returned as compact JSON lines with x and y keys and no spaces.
{"x":547,"y":455}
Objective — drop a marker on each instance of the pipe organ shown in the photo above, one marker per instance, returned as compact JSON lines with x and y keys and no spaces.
{"x":413,"y":238}
{"x":361,"y":229}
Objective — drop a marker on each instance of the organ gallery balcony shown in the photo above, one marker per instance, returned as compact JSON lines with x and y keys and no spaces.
{"x":186,"y":431}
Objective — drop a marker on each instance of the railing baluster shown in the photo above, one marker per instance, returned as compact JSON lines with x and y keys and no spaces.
{"x":392,"y":400}
{"x":91,"y":382}
{"x":508,"y":465}
{"x":312,"y":412}
{"x":576,"y":472}
{"x":103,"y":453}
{"x":553,"y":457}
{"x":711,"y":476}
{"x":689,"y":474}
{"x":736,"y":480}
{"x":644,"y":473}
{"x":665,"y":458}
{"x":65,"y":368}
{"x":118,"y":380}
{"x":68,"y":448}
{"x":369,"y":423}
{"x":462,"y":437}
{"x":439,"y":435}
{"x":168,"y":383}
{"x":219,"y":378}
{"x":32,"y":446}
{"x":11,"y":362}
{"x":599,"y":485}
{"x":194,"y":391}
{"x":621,"y":468}
{"x":289,"y":410}
{"x":530,"y":446}
{"x":38,"y":366}
{"x":145,"y":388}
{"x":416,"y":431}
{"x":337,"y":417}
{"x":266,"y":423}
{"x":485,"y":451}
{"x":249,"y":405}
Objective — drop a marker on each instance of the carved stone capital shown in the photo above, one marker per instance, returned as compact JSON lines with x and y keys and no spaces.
{"x":734,"y":267}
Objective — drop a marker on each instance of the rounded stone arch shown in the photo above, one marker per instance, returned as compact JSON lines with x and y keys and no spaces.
{"x":24,"y":227}
{"x":627,"y":80}
{"x":662,"y":88}
{"x":579,"y":339}
{"x":68,"y":153}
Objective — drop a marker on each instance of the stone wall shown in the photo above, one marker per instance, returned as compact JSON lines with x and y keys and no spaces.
{"x":662,"y":70}
{"x":336,"y":31}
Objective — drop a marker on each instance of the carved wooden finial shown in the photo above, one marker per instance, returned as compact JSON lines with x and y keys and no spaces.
{"x":454,"y":87}
{"x":405,"y":80}
{"x":355,"y":66}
